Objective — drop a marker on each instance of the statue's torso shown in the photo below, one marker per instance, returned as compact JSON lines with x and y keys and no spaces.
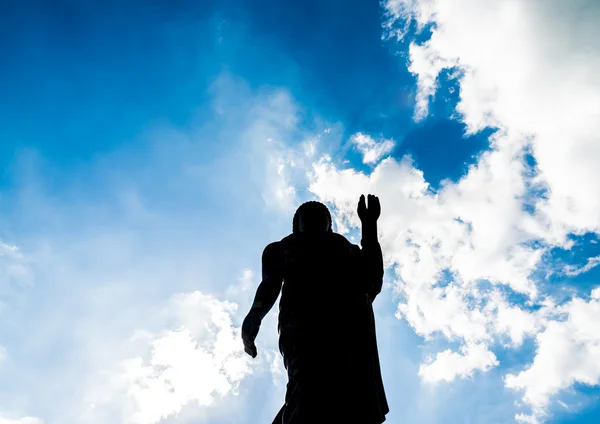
{"x":327,"y":330}
{"x":321,"y":278}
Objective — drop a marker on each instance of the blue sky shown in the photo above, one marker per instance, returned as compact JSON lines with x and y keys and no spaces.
{"x":150,"y":150}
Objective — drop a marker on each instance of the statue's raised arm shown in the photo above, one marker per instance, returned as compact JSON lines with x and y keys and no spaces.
{"x":371,"y":249}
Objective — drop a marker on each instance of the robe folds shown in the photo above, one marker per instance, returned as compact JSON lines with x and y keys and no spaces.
{"x":327,"y":332}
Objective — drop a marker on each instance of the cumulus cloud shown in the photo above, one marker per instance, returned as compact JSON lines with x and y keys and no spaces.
{"x":372,"y":150}
{"x":479,"y":239}
{"x":568,"y":352}
{"x":448,"y":364}
{"x":103,"y":264}
{"x":196,"y":359}
{"x":528,"y":69}
{"x":479,"y":229}
{"x":457,"y":254}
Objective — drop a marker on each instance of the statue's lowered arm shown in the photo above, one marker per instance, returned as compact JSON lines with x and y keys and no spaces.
{"x":266,"y":296}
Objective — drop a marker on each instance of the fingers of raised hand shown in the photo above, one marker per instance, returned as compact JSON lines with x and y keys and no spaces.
{"x":374,"y":203}
{"x":362,"y":205}
{"x":370,"y":210}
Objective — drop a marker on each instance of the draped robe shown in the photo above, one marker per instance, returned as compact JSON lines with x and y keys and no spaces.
{"x":327,"y":330}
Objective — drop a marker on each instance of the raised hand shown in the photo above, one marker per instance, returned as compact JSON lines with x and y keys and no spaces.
{"x":250,"y":328}
{"x":371,"y":213}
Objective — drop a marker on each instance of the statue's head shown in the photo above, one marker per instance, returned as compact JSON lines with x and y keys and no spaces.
{"x":312,"y":217}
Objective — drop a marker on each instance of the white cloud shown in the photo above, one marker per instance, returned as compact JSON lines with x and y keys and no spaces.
{"x":567,"y":353}
{"x":197,"y":359}
{"x":477,"y":237}
{"x":273,"y":149}
{"x":527,"y":419}
{"x":572,"y":270}
{"x":461,"y":228}
{"x":528,"y":68}
{"x":448,"y":364}
{"x":477,"y":231}
{"x":272,"y":121}
{"x":184,"y":215}
{"x":6,"y":250}
{"x":372,"y":150}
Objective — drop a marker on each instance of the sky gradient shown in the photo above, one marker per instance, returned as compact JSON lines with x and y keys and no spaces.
{"x":149,"y":151}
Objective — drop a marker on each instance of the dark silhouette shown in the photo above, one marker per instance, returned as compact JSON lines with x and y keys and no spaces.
{"x":326,"y":323}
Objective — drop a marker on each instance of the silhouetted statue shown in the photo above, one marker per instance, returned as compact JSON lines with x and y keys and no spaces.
{"x":326,"y":323}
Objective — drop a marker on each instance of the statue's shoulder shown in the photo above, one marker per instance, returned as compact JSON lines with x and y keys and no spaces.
{"x":288,"y":239}
{"x":346,"y":244}
{"x":277,"y":248}
{"x":272,"y":249}
{"x":339,"y":237}
{"x":293,"y":241}
{"x":342,"y":239}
